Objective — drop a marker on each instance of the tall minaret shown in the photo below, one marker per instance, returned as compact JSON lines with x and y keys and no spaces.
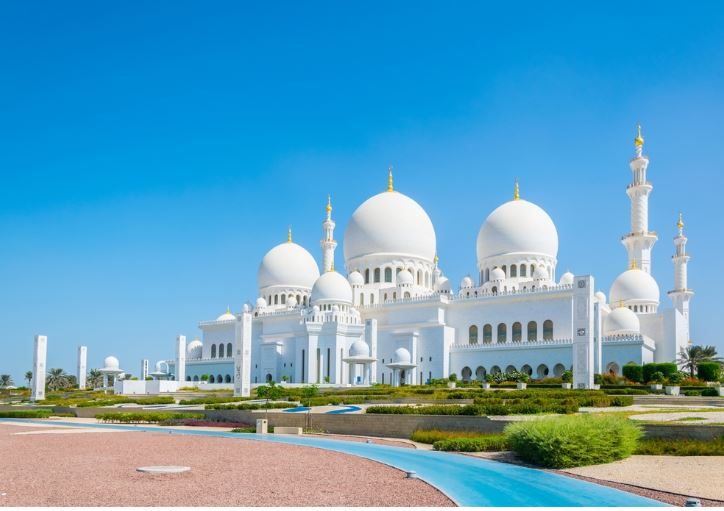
{"x":640,"y":240}
{"x":328,"y":243}
{"x":681,"y":293}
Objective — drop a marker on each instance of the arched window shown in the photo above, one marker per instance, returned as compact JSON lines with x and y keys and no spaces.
{"x":276,"y":299}
{"x":299,"y":299}
{"x":522,"y":270}
{"x":229,"y":352}
{"x":495,"y":290}
{"x":407,"y":294}
{"x":513,"y":270}
{"x":227,"y":378}
{"x":377,"y":274}
{"x":419,"y":278}
{"x":284,"y":299}
{"x":532,"y":270}
{"x":488,"y":334}
{"x":548,"y":330}
{"x":517,"y":332}
{"x":196,"y":378}
{"x":505,"y":270}
{"x":304,"y":301}
{"x":212,"y":379}
{"x":384,"y":297}
{"x":502,"y":333}
{"x":511,"y":369}
{"x":526,"y":369}
{"x":219,"y":379}
{"x":367,"y":276}
{"x":213,"y":351}
{"x":487,"y":274}
{"x":532,"y":331}
{"x":188,"y":378}
{"x":558,"y":370}
{"x":612,"y":368}
{"x":480,"y":373}
{"x":221,"y":350}
{"x":388,"y":274}
{"x":361,"y":299}
{"x":495,"y":370}
{"x":268,"y":377}
{"x":473,"y":334}
{"x":394,"y":295}
{"x":467,"y":373}
{"x":542,"y":371}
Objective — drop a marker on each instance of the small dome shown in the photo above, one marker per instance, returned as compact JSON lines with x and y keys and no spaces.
{"x":332,"y":287}
{"x":404,"y":278}
{"x":226,"y":316}
{"x":194,"y":349}
{"x":260,"y":303}
{"x":291,"y":301}
{"x":111,"y":362}
{"x":517,"y":227}
{"x":392,"y":224}
{"x":497,"y":274}
{"x":401,"y":356}
{"x":601,"y":297}
{"x":634,"y":286}
{"x":246,"y":307}
{"x":359,"y":349}
{"x":540,"y":273}
{"x":567,"y":279}
{"x":443,"y":284}
{"x":622,"y":321}
{"x":466,"y":282}
{"x":315,"y":309}
{"x":287,"y":265}
{"x":356,"y":279}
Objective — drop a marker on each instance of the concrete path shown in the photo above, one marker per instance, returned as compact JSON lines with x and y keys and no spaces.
{"x":466,"y":480}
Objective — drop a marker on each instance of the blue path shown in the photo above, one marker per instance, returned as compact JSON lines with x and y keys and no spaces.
{"x":466,"y":480}
{"x":346,"y":409}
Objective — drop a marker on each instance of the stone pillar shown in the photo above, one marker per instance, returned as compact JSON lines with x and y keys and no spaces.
{"x":40,"y":354}
{"x":181,"y":358}
{"x":242,"y":356}
{"x":82,"y":366}
{"x":583,"y":333}
{"x":144,"y":369}
{"x":371,"y":340}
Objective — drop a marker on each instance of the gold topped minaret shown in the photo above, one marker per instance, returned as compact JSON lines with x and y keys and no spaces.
{"x":289,"y":234}
{"x":390,"y":187}
{"x":328,"y":242}
{"x":516,"y":191}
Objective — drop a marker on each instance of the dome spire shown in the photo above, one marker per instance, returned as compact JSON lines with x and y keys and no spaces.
{"x":328,"y":209}
{"x":390,"y":187}
{"x":289,"y":234}
{"x":680,"y":223}
{"x":633,"y":266}
{"x":639,"y":140}
{"x":516,"y":192}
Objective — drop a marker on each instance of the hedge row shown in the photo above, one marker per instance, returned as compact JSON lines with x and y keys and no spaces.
{"x":708,"y":371}
{"x":252,"y":406}
{"x":26,"y":414}
{"x":212,"y":400}
{"x":490,"y":442}
{"x":146,"y":417}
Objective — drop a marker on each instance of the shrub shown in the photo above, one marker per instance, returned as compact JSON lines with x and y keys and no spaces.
{"x":648,"y":371}
{"x":710,"y":392}
{"x":668,"y":368}
{"x":633,"y":372}
{"x":146,"y":417}
{"x":597,"y":379}
{"x":39,"y":413}
{"x":567,"y":376}
{"x":622,"y":401}
{"x":489,"y":442}
{"x":575,"y":441}
{"x":692,"y":393}
{"x":675,"y":379}
{"x":658,"y":377}
{"x":453,"y":377}
{"x":708,"y":371}
{"x":681,"y":447}
{"x":252,"y":406}
{"x":212,"y":400}
{"x":430,"y":436}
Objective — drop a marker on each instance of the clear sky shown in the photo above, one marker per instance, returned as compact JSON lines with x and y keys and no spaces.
{"x":151,"y":152}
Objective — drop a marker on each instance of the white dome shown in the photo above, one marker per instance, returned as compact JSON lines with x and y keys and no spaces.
{"x":359,"y":349}
{"x":404,"y":278}
{"x":497,"y":274}
{"x":287,"y":265}
{"x":466,"y":282}
{"x":401,"y":356}
{"x":635,"y":286}
{"x":622,"y":321}
{"x":390,"y":223}
{"x":291,"y":301}
{"x":517,"y":227}
{"x":567,"y":279}
{"x":332,"y":287}
{"x":443,"y":284}
{"x":540,"y":273}
{"x":226,"y":316}
{"x":260,"y":303}
{"x":601,"y":297}
{"x":356,"y":279}
{"x":111,"y":362}
{"x":194,"y":349}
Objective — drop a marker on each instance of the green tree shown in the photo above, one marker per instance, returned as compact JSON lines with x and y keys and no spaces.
{"x":29,"y":377}
{"x":57,"y":379}
{"x":691,"y":356}
{"x":94,"y":379}
{"x":5,"y":381}
{"x":271,"y":392}
{"x":309,"y":392}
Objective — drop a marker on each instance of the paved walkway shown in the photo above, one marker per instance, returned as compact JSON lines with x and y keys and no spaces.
{"x":466,"y":480}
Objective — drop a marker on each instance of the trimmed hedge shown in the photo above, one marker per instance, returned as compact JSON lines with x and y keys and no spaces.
{"x":252,"y":406}
{"x":212,"y":400}
{"x":490,"y":442}
{"x":708,"y":371}
{"x":580,"y":440}
{"x":681,"y":447}
{"x":26,"y":414}
{"x":633,"y":372}
{"x":146,"y":417}
{"x":667,"y":368}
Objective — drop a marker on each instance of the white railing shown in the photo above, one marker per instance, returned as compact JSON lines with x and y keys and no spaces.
{"x":508,"y":345}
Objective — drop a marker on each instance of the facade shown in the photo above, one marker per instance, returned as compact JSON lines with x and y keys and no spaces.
{"x":395,"y":317}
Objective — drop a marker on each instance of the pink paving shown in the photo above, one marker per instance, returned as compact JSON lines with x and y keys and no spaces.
{"x":99,"y":469}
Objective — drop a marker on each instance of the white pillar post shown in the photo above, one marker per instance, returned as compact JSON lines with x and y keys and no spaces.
{"x":371,"y":339}
{"x":583,"y":333}
{"x":144,"y":369}
{"x":181,"y":358}
{"x":242,"y":356}
{"x":82,"y":366}
{"x":40,"y":354}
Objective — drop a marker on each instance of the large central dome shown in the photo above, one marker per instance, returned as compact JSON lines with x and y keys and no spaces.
{"x":287,"y":265}
{"x":389,"y":223}
{"x":517,"y":227}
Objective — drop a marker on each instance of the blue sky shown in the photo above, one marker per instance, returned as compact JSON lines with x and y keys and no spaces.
{"x":152,"y":152}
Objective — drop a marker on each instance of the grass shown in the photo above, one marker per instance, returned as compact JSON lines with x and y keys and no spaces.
{"x":573,"y":441}
{"x":691,"y":419}
{"x":681,"y":447}
{"x":38,"y":413}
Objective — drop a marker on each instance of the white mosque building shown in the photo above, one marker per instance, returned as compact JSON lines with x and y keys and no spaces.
{"x":395,"y":318}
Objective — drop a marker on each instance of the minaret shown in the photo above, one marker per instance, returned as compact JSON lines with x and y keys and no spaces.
{"x":328,"y":243}
{"x":640,"y":240}
{"x":681,"y":293}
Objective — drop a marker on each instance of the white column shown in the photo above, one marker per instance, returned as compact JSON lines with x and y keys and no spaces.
{"x":583,"y":332}
{"x":144,"y":369}
{"x":371,"y":339}
{"x":40,"y":354}
{"x":82,"y":366}
{"x":242,"y":356}
{"x":181,"y":358}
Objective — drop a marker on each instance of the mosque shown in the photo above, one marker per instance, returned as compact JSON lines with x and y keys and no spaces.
{"x":395,"y":318}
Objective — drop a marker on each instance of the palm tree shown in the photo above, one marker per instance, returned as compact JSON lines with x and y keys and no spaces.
{"x":5,"y":380}
{"x":691,"y":356}
{"x":29,"y":377}
{"x":95,"y":378}
{"x":57,"y":379}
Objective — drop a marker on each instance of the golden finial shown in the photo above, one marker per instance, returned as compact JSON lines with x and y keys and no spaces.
{"x":516,"y":193}
{"x":639,"y":140}
{"x":390,"y":188}
{"x":289,"y":234}
{"x":437,"y":259}
{"x":620,"y":303}
{"x":331,"y":268}
{"x":680,"y":223}
{"x":228,"y":309}
{"x":633,"y":266}
{"x":329,"y":203}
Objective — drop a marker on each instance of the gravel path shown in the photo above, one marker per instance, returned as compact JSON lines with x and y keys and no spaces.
{"x":100,"y":470}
